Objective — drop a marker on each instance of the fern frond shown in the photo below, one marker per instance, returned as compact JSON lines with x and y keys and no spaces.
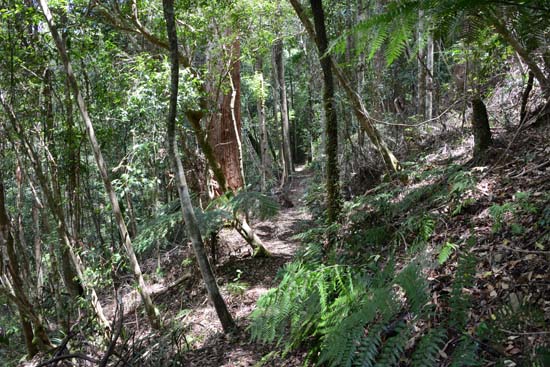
{"x":427,"y":350}
{"x":393,"y":348}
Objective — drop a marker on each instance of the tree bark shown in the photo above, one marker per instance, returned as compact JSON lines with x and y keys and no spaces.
{"x":525,"y":97}
{"x":264,"y":144}
{"x":187,"y":209}
{"x":224,"y":127}
{"x":421,"y":68}
{"x":481,"y":129}
{"x":152,"y":312}
{"x":331,"y":121}
{"x":428,"y":114}
{"x":280,"y":86}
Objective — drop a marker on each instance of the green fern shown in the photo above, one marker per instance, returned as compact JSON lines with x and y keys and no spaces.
{"x":459,"y":301}
{"x":465,"y":353}
{"x":427,"y":350}
{"x":394,"y":346}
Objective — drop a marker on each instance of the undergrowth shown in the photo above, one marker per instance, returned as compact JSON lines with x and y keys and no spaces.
{"x":366,"y":299}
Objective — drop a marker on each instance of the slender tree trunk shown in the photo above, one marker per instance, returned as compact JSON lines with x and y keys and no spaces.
{"x":152,"y":313}
{"x":422,"y":74}
{"x":525,"y":97}
{"x":264,"y":145}
{"x":73,"y":181}
{"x":331,"y":125}
{"x":235,"y":105}
{"x":37,"y":244}
{"x":279,"y":72}
{"x":428,"y":114}
{"x":187,"y":209}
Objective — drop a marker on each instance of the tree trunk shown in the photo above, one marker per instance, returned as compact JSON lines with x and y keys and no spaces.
{"x":187,"y":209}
{"x":264,"y":144}
{"x":525,"y":97}
{"x":331,"y":121}
{"x":152,"y":312}
{"x":481,"y":129}
{"x":224,"y":127}
{"x":37,"y":245}
{"x":428,"y":114}
{"x":280,"y":86}
{"x":422,"y":74}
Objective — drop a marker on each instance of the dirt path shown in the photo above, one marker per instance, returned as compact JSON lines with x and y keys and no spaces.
{"x":255,"y":277}
{"x":192,"y":335}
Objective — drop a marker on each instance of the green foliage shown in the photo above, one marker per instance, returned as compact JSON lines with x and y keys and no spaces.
{"x":446,"y":251}
{"x":237,"y":286}
{"x":250,"y":202}
{"x":338,"y":304}
{"x":157,"y":230}
{"x":459,"y":301}
{"x":427,"y":350}
{"x":521,"y":205}
{"x":466,"y":353}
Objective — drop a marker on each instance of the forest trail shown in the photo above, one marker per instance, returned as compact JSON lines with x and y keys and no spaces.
{"x":243,"y":280}
{"x":182,"y":299}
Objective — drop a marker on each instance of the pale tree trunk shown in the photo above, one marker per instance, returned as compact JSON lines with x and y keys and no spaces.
{"x":390,"y":161}
{"x":421,"y":108}
{"x":280,"y":86}
{"x":428,"y":114}
{"x":235,"y":105}
{"x":152,"y":313}
{"x":187,"y":209}
{"x":361,"y":15}
{"x":264,"y":144}
{"x":37,"y":245}
{"x":21,"y":243}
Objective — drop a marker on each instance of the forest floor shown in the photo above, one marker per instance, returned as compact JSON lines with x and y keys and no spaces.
{"x":194,"y":336}
{"x":510,"y":289}
{"x":245,"y":279}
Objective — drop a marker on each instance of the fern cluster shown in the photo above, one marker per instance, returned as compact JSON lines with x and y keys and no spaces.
{"x":357,"y":317}
{"x":364,"y":316}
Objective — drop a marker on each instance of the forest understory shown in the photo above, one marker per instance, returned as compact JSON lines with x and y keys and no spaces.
{"x":508,"y":288}
{"x":274,"y":183}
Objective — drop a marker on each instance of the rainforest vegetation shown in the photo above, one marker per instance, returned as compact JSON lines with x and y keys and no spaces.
{"x":274,"y":183}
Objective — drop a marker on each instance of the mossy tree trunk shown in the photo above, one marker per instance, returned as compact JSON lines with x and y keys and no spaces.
{"x":331,"y":121}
